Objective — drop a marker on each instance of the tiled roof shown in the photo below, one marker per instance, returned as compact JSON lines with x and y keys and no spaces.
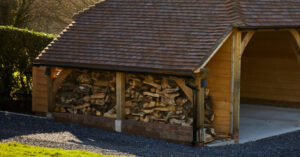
{"x":161,"y":36}
{"x":262,"y":13}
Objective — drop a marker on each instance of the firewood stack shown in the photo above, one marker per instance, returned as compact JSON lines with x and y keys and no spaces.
{"x":209,"y":117}
{"x":156,"y":98}
{"x":209,"y":113}
{"x":86,"y":92}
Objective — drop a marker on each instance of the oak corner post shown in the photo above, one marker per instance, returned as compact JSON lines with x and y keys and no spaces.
{"x":236,"y":74}
{"x":200,"y":79}
{"x":120,"y":95}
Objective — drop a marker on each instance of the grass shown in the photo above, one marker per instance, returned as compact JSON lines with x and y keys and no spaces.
{"x":22,"y":150}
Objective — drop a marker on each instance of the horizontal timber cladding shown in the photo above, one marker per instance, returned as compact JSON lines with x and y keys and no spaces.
{"x":158,"y":130}
{"x":39,"y":90}
{"x":92,"y":121}
{"x":220,"y":86}
{"x":270,"y":70}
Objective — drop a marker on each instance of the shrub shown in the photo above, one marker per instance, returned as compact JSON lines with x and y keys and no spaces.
{"x":18,"y":48}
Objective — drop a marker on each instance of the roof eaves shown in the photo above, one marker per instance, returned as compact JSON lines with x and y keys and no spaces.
{"x":267,"y":27}
{"x":186,"y":73}
{"x":215,"y":49}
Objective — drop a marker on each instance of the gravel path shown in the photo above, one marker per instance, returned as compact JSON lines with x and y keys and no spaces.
{"x":47,"y":133}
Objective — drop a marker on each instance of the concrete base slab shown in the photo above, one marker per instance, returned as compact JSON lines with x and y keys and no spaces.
{"x":258,"y":122}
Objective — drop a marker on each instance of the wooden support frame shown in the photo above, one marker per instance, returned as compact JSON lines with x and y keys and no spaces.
{"x":53,"y":83}
{"x":51,"y":96}
{"x":296,"y":49}
{"x":246,"y":40}
{"x":120,"y":95}
{"x":60,"y":79}
{"x":236,"y":76}
{"x":187,"y":91}
{"x":201,"y":103}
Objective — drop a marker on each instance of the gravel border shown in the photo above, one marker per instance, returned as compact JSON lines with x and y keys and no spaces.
{"x":48,"y":133}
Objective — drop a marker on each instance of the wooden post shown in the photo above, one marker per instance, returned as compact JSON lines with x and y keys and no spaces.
{"x":201,"y":104}
{"x":51,"y":97}
{"x":237,"y":41}
{"x":120,"y":92}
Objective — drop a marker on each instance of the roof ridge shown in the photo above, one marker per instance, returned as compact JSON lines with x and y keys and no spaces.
{"x":81,"y":12}
{"x":235,"y":11}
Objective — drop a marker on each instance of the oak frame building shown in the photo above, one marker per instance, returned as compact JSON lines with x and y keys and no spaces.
{"x":246,"y":50}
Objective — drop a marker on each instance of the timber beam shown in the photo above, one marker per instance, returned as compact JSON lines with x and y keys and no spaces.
{"x":120,"y":95}
{"x":55,"y":79}
{"x":236,"y":76}
{"x":187,"y":91}
{"x":51,"y":74}
{"x":246,"y":40}
{"x":62,"y":75}
{"x":199,"y":81}
{"x":296,"y":49}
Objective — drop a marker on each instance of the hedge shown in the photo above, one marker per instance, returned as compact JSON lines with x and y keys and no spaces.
{"x":18,"y":49}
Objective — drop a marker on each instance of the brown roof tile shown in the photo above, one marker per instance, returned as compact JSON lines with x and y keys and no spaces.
{"x":164,"y":36}
{"x":262,"y":13}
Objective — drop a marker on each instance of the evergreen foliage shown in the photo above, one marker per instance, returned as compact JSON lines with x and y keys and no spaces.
{"x":18,"y":49}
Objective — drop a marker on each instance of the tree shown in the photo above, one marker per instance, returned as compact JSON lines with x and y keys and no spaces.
{"x":50,"y":16}
{"x":15,"y":12}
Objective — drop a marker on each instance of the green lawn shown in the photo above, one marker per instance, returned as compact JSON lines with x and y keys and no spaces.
{"x":21,"y":150}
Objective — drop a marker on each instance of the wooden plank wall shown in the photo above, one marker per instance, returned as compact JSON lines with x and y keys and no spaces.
{"x":39,"y":91}
{"x":270,"y":70}
{"x":220,"y":84}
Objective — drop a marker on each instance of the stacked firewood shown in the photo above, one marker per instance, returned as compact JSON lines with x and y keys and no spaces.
{"x":209,"y":113}
{"x":86,"y":92}
{"x":150,"y":98}
{"x":209,"y":117}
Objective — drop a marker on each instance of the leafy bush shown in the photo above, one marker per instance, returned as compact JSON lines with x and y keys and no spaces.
{"x":18,"y":48}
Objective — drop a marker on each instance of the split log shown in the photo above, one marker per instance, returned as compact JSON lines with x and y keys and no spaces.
{"x":141,"y":114}
{"x":169,"y":90}
{"x":101,"y":83}
{"x":149,"y":105}
{"x":98,"y":96}
{"x":151,"y":94}
{"x":152,"y":84}
{"x":81,"y":106}
{"x":165,"y":84}
{"x":147,"y":111}
{"x":98,"y":113}
{"x":208,"y":138}
{"x":110,"y":114}
{"x":176,"y":121}
{"x":169,"y":108}
{"x":100,"y":102}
